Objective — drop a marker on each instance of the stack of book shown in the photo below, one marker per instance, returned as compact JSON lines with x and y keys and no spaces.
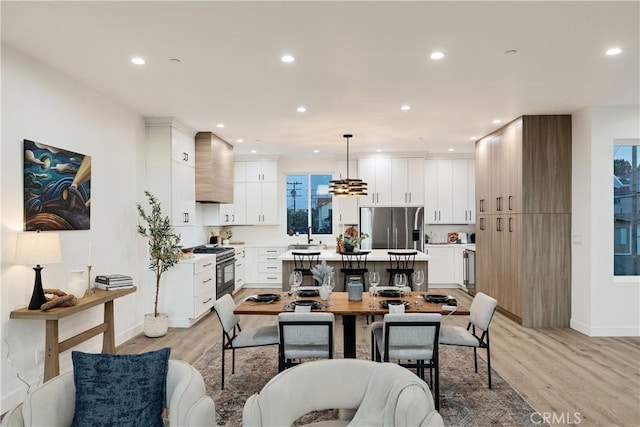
{"x":111,"y":282}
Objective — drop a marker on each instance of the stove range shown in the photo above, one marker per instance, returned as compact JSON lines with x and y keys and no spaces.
{"x":222,"y":253}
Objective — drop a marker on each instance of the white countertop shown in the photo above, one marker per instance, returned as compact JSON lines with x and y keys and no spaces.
{"x":470,"y":246}
{"x":374,"y":255}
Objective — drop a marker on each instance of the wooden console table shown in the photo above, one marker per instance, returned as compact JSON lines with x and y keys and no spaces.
{"x":53,"y":347}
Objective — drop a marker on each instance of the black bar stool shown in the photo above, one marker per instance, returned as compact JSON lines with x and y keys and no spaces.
{"x":401,"y":263}
{"x":304,"y":262}
{"x":354,"y":264}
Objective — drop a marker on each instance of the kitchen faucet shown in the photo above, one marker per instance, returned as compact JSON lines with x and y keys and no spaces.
{"x":309,"y":239}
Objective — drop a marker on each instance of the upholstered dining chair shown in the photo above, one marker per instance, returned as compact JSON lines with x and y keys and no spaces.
{"x":234,"y":337}
{"x":304,"y":336}
{"x":412,"y":340}
{"x":304,"y":262}
{"x":480,"y":314}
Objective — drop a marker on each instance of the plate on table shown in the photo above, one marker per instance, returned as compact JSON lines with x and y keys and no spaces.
{"x":436,"y":299}
{"x":392,"y":293}
{"x":308,"y":292}
{"x":387,"y":303}
{"x":307,"y":303}
{"x":266,"y":297}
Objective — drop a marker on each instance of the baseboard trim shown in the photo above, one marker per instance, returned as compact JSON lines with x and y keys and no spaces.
{"x":604,"y":331}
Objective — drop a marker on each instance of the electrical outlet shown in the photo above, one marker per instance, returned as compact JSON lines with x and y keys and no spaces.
{"x":39,"y":355}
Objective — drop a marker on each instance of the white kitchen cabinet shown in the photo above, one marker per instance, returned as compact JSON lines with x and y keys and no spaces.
{"x":346,"y":207}
{"x":228,"y":213}
{"x":262,"y":206}
{"x":251,"y":259}
{"x":458,"y":265}
{"x":376,"y":172}
{"x":449,"y":191}
{"x":407,"y":181}
{"x":442,"y":265}
{"x":241,"y":267}
{"x":463,"y":191}
{"x":188,"y":290}
{"x":261,"y":171}
{"x":171,"y":170}
{"x":266,"y":269}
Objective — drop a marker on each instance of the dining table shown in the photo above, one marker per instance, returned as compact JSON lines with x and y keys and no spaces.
{"x":339,"y":304}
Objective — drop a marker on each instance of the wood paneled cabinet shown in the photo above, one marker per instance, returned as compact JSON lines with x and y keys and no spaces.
{"x":214,"y":169}
{"x":376,"y":172}
{"x":523,"y":198}
{"x":171,"y":171}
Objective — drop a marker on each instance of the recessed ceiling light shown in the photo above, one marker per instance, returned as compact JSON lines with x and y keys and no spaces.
{"x":254,"y":151}
{"x":316,"y":151}
{"x":220,"y":125}
{"x":405,"y":107}
{"x":451,"y":149}
{"x":614,"y":51}
{"x":379,"y":150}
{"x":239,"y":141}
{"x":287,"y":58}
{"x":473,"y":138}
{"x":497,"y":121}
{"x":437,"y":55}
{"x":137,"y":60}
{"x":301,"y":109}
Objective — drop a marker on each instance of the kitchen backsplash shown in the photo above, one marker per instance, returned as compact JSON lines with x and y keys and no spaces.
{"x":440,"y":233}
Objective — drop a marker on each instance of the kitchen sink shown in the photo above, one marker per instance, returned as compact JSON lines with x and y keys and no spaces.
{"x":306,"y":247}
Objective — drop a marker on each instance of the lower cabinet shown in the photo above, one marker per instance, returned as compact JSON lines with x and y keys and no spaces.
{"x":241,"y":267}
{"x":442,"y":264}
{"x":188,"y":290}
{"x":266,"y":269}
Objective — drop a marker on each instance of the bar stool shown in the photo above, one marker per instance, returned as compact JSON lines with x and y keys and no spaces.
{"x":401,"y":263}
{"x":304,"y":262}
{"x":354,"y":264}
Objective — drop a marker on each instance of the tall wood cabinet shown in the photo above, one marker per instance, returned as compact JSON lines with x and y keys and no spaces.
{"x":523,"y":203}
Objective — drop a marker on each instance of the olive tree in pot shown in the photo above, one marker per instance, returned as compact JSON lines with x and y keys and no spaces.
{"x":163,"y":254}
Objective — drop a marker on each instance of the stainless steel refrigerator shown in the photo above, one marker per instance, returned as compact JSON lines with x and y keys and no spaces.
{"x":393,"y":228}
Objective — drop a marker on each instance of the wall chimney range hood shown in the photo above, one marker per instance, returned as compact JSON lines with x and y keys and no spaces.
{"x":214,"y":169}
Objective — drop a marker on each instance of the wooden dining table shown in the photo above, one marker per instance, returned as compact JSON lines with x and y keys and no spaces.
{"x":349,"y":310}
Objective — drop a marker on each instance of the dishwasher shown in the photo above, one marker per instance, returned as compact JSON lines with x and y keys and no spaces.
{"x":469,"y":272}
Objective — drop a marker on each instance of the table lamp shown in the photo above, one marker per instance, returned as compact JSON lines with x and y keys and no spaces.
{"x":37,"y":248}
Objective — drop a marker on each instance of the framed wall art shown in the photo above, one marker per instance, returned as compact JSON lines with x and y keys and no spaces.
{"x":57,"y":188}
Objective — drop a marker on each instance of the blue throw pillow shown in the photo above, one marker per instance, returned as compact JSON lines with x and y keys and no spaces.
{"x":120,"y":390}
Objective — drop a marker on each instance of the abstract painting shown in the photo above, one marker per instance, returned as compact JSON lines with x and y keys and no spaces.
{"x":57,"y":188}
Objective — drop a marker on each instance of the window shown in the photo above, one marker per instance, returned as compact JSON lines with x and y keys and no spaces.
{"x":626,"y":210}
{"x":309,"y":204}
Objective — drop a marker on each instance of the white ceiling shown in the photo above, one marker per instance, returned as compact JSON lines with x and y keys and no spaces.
{"x":356,"y":64}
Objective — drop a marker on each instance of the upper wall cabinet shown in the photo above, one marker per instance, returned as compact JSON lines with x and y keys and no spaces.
{"x":449,"y":191}
{"x":407,"y":181}
{"x":261,"y":189}
{"x":376,"y":172}
{"x":261,"y":171}
{"x":214,"y":169}
{"x":170,"y":171}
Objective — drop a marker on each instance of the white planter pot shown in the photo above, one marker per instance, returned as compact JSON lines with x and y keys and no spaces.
{"x":77,"y":284}
{"x":156,"y":326}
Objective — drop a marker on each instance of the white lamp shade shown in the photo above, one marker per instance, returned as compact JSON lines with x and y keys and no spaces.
{"x":38,"y":248}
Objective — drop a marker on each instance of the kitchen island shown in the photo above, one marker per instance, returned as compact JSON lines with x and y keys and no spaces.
{"x":377,"y":260}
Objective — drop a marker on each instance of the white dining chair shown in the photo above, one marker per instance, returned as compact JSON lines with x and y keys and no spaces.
{"x":480,"y":314}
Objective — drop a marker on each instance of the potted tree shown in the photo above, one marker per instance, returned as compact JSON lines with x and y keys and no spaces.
{"x":163,"y":254}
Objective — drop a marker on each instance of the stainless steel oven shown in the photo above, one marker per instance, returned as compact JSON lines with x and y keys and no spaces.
{"x":225,"y":274}
{"x":469,"y":272}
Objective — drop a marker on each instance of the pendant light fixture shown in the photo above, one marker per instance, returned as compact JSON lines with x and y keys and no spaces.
{"x":348,"y":187}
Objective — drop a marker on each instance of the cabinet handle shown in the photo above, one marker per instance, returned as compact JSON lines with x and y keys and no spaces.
{"x":497,"y":203}
{"x":410,"y":198}
{"x":226,"y":217}
{"x":435,"y":215}
{"x":498,"y":224}
{"x":439,"y":217}
{"x":272,"y":268}
{"x":207,"y":265}
{"x":207,"y":300}
{"x":510,"y":198}
{"x":271,"y":278}
{"x":510,"y":225}
{"x":465,"y":215}
{"x":233,"y":217}
{"x":207,"y":281}
{"x":481,"y":223}
{"x":271,"y":251}
{"x":481,"y":205}
{"x":185,"y":156}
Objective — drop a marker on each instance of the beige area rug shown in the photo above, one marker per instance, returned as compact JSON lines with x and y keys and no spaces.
{"x":465,"y":399}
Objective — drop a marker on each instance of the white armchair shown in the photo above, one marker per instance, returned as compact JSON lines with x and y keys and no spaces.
{"x":53,"y":403}
{"x":367,"y":394}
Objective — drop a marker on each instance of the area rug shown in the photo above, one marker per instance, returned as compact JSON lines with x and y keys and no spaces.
{"x":465,"y":399}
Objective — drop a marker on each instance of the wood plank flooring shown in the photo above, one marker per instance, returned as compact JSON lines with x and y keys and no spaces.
{"x":559,"y":371}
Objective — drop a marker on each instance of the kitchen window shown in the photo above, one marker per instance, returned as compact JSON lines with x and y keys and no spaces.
{"x":309,"y":204}
{"x":626,"y":208}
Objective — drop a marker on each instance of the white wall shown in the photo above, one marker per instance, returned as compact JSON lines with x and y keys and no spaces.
{"x":42,"y":105}
{"x":601,"y":305}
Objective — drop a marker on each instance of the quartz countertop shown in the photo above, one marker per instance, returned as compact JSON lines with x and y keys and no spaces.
{"x":374,"y":255}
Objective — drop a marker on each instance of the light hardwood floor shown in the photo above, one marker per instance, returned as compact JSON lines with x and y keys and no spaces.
{"x":559,"y":371}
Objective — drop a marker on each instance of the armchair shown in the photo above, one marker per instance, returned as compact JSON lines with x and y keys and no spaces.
{"x":53,"y":403}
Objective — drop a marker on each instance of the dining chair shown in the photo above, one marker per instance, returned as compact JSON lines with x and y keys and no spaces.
{"x":304,"y":336}
{"x":480,"y":315}
{"x":304,"y":262}
{"x":401,"y":263}
{"x":234,"y":337}
{"x":412,"y":340}
{"x":353,"y":264}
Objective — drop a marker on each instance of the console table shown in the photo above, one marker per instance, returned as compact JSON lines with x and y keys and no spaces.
{"x":53,"y":347}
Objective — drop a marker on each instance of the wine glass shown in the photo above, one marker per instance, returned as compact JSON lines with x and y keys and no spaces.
{"x":296,"y":281}
{"x":400,"y":281}
{"x":418,"y":280}
{"x":374,"y":281}
{"x":329,"y":282}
